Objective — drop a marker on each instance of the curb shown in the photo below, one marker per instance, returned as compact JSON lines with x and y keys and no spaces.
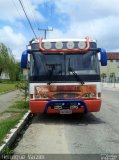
{"x":110,"y":88}
{"x":11,"y":136}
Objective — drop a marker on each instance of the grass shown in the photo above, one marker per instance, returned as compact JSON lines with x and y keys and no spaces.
{"x":6,"y":87}
{"x":15,"y":116}
{"x":20,"y":105}
{"x":8,"y":124}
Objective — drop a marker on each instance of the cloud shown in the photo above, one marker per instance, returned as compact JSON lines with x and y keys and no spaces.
{"x":72,"y":19}
{"x":12,"y":11}
{"x":15,"y":41}
{"x":103,"y":30}
{"x":83,"y":10}
{"x":98,"y":19}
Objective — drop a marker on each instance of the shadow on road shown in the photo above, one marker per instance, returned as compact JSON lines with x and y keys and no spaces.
{"x":73,"y":119}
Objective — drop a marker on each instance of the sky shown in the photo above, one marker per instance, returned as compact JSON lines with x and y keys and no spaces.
{"x":68,"y":18}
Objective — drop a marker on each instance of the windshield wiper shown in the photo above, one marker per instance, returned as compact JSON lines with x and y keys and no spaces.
{"x":70,"y":69}
{"x":52,"y":68}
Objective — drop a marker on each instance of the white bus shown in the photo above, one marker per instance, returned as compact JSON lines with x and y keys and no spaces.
{"x":64,"y":75}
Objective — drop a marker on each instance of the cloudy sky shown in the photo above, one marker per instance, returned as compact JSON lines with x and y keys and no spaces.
{"x":68,"y":18}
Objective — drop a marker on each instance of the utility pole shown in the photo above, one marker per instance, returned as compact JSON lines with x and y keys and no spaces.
{"x":45,"y":31}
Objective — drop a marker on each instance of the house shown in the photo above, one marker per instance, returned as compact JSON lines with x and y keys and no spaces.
{"x":110,"y":73}
{"x":4,"y":76}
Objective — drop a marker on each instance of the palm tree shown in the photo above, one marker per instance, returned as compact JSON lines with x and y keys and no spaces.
{"x":103,"y":76}
{"x":112,"y":77}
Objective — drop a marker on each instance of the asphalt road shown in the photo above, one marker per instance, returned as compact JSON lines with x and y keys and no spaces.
{"x":93,"y":133}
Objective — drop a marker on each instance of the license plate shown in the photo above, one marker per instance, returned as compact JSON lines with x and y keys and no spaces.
{"x":65,"y":111}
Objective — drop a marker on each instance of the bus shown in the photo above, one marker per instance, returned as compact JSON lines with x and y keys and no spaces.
{"x":64,"y":75}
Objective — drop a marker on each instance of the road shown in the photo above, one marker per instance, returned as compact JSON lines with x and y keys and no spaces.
{"x":93,"y":133}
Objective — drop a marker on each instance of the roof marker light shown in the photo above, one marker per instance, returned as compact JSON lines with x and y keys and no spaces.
{"x":47,"y":45}
{"x":82,"y":45}
{"x":70,"y":45}
{"x":59,"y":45}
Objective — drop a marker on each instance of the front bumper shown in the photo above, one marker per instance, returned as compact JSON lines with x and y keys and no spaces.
{"x":48,"y":106}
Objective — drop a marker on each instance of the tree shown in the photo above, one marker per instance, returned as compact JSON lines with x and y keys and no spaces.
{"x":112,"y":77}
{"x":4,"y":58}
{"x":18,"y":71}
{"x":103,"y":76}
{"x":23,"y":87}
{"x":8,"y":64}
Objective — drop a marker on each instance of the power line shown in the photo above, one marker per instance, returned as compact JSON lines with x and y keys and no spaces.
{"x":27,"y":18}
{"x":34,"y":15}
{"x":19,"y":13}
{"x":31,"y":12}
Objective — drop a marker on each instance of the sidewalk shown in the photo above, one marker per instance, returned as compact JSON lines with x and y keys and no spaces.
{"x":8,"y":99}
{"x":111,"y":86}
{"x":13,"y":117}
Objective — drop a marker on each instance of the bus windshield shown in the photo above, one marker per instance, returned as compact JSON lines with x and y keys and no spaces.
{"x":60,"y":66}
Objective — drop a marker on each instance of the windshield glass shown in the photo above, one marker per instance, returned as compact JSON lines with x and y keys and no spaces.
{"x":63,"y":64}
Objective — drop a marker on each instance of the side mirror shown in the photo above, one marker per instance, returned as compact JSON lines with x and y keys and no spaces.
{"x":24,"y":58}
{"x":103,"y":57}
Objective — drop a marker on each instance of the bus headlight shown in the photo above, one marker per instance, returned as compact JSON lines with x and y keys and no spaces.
{"x":37,"y":96}
{"x":44,"y":96}
{"x":89,"y":95}
{"x":92,"y":95}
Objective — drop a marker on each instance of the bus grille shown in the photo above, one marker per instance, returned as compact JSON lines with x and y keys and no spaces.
{"x":65,"y":95}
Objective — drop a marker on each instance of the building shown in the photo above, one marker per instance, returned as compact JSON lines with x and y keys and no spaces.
{"x":110,"y":73}
{"x":4,"y":76}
